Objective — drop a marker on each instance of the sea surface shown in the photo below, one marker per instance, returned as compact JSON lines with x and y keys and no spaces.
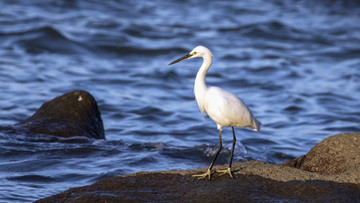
{"x":296,"y":64}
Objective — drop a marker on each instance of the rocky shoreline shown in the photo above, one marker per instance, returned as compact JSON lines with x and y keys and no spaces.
{"x":328,"y":172}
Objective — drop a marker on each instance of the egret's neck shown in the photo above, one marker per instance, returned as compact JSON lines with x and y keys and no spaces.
{"x":200,"y":85}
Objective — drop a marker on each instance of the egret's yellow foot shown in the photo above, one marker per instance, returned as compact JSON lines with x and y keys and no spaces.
{"x":223,"y":172}
{"x":201,"y":176}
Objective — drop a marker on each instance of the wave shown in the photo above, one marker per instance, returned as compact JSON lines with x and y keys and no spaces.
{"x":275,"y":30}
{"x":45,"y":39}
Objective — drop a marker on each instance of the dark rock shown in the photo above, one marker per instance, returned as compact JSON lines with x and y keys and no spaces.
{"x":161,"y":186}
{"x":253,"y":181}
{"x":73,"y":114}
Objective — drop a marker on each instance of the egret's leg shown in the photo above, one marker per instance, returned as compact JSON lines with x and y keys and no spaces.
{"x":208,"y":172}
{"x":233,"y":147}
{"x":228,"y":171}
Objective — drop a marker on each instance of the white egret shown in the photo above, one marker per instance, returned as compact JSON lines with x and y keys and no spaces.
{"x":223,"y":107}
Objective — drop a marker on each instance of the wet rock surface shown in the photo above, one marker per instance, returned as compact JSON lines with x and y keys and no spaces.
{"x":70,"y":115}
{"x":253,"y":181}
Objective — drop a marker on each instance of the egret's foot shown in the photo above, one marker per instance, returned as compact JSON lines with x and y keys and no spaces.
{"x":223,"y":172}
{"x":201,"y":176}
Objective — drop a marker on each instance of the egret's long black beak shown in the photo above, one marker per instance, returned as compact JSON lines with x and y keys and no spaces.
{"x":181,"y":59}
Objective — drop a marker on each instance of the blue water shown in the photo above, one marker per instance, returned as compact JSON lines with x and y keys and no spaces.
{"x":295,"y":63}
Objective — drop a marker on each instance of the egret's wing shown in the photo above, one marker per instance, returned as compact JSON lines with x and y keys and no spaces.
{"x":227,"y":109}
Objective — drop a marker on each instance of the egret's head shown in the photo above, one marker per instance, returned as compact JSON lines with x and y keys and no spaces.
{"x":199,"y":51}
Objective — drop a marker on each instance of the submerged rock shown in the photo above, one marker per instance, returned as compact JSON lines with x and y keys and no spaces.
{"x":73,"y":114}
{"x":253,"y":181}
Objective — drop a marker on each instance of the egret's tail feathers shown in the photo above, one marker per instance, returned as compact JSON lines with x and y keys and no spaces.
{"x":257,"y":125}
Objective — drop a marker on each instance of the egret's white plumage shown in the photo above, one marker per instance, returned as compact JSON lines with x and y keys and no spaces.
{"x":227,"y":110}
{"x":223,"y":107}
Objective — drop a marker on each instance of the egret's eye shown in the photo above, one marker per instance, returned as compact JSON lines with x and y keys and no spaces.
{"x":194,"y":53}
